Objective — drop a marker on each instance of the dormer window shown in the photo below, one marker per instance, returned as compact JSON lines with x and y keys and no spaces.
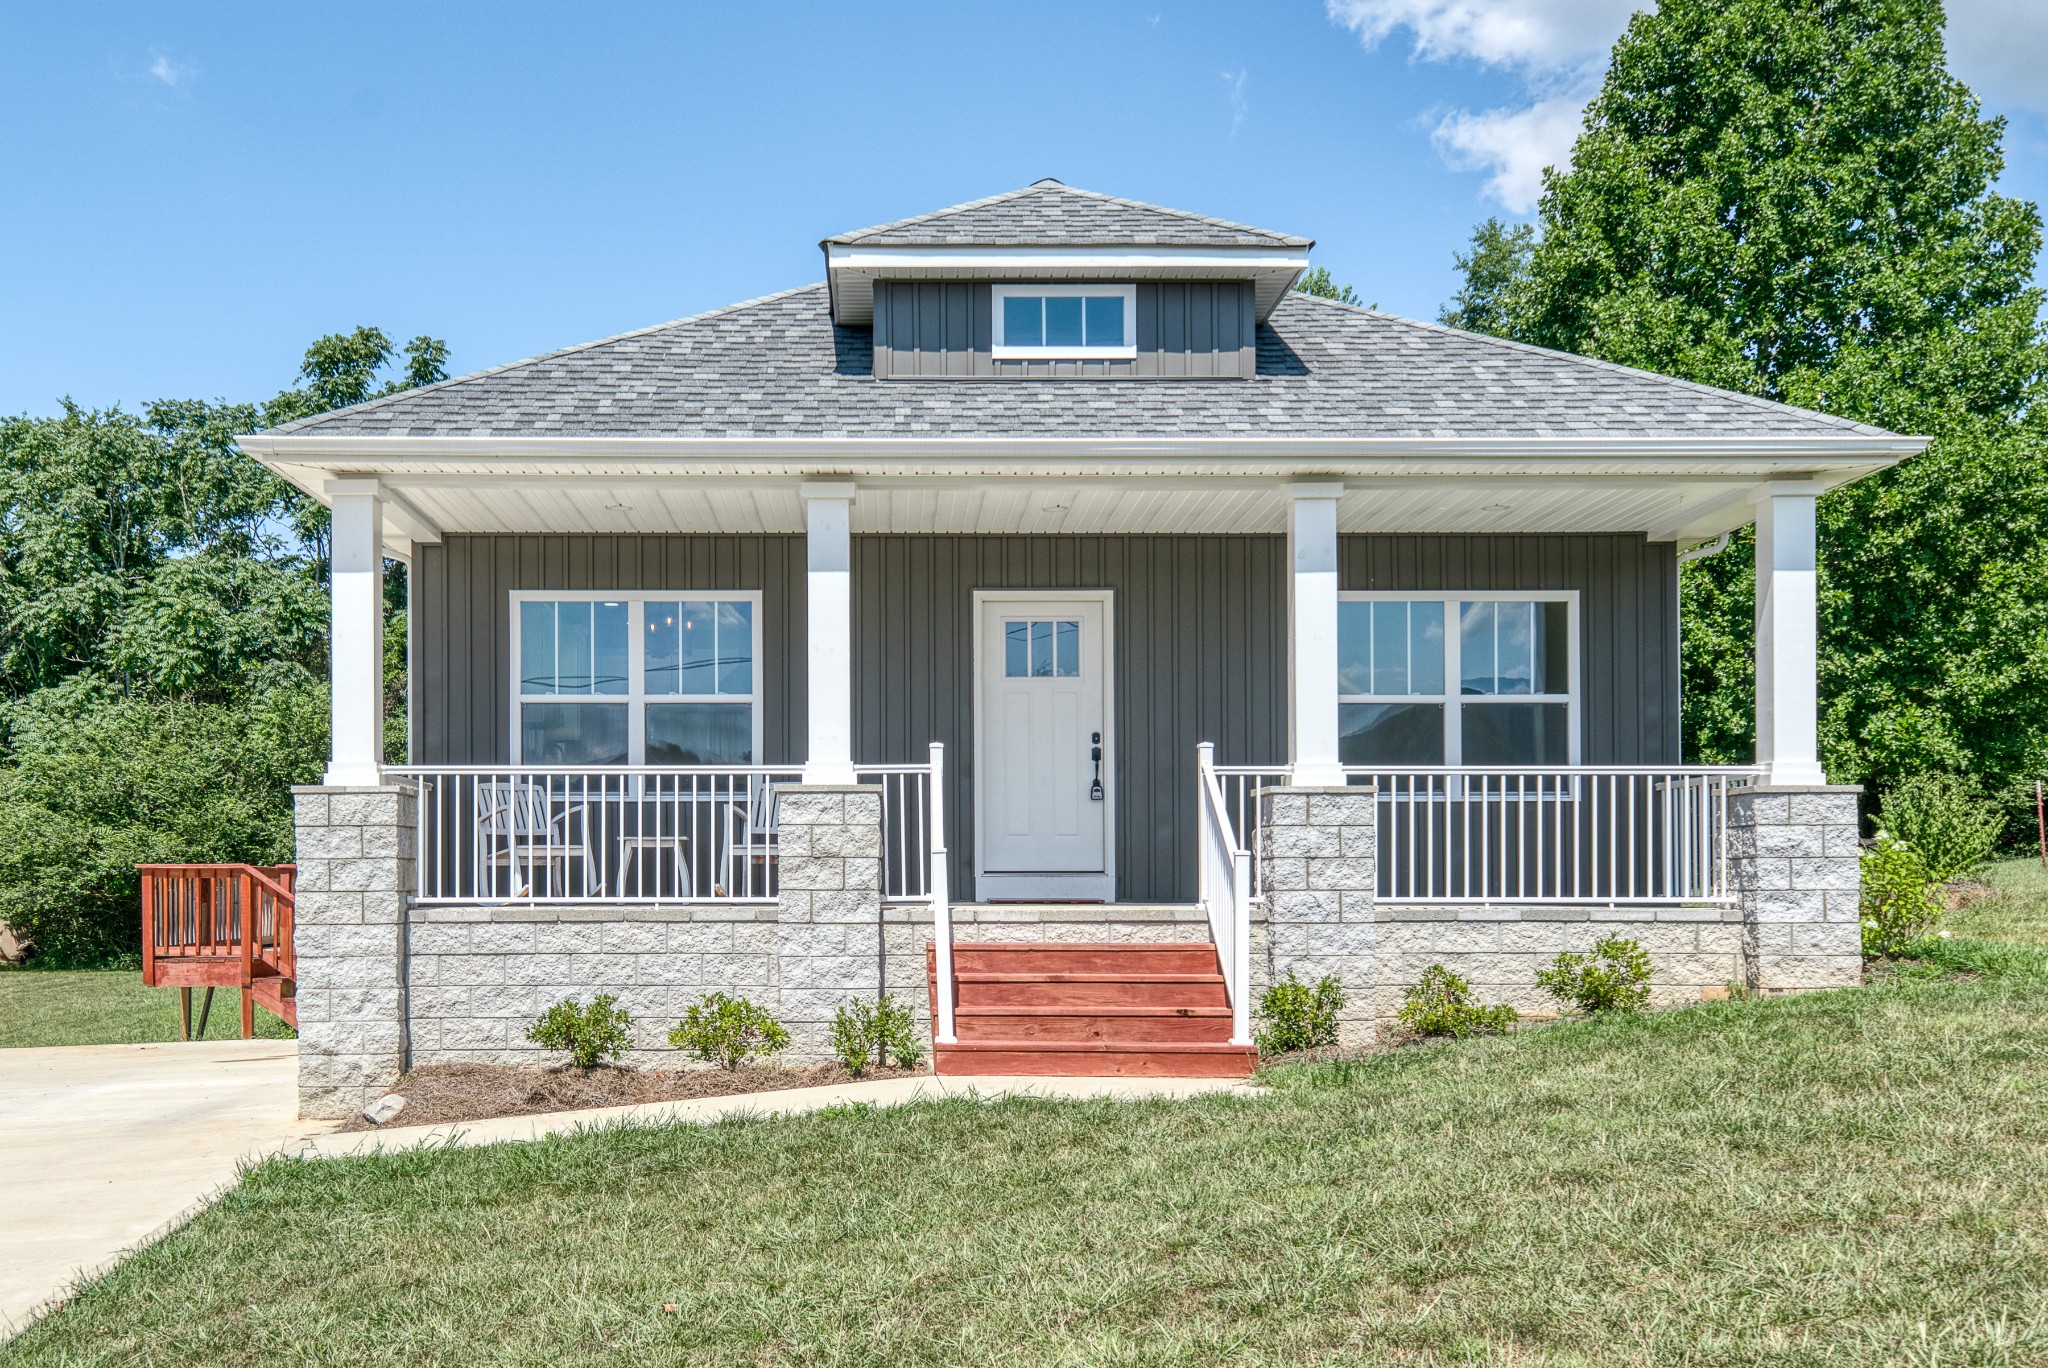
{"x":1081,"y":321}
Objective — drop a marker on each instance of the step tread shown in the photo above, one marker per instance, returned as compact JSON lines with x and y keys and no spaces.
{"x":1101,"y":1046}
{"x":1060,"y":976}
{"x":1079,"y":947}
{"x":1083,"y":1010}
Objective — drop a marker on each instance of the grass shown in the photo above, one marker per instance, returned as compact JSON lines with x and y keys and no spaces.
{"x":92,"y":1007}
{"x":2017,"y":913}
{"x":1843,"y":1178}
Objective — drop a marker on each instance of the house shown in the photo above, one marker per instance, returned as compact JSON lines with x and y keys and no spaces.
{"x":1056,"y":618}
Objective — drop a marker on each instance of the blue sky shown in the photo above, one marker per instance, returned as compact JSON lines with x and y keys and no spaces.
{"x":195,"y":192}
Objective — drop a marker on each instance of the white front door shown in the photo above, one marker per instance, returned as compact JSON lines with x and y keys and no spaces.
{"x":1043,"y":767}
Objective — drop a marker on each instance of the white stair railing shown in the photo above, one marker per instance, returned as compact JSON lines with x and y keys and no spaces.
{"x":1224,"y":888}
{"x":936,"y":882}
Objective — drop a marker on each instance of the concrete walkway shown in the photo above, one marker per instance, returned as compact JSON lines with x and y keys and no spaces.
{"x":106,"y":1146}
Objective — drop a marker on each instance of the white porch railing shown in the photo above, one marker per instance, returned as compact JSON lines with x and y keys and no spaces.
{"x":1553,"y":834}
{"x":643,"y":833}
{"x":1224,"y":888}
{"x":1240,"y":785}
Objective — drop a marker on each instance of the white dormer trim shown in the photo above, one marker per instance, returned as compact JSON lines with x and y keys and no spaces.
{"x":852,"y":270}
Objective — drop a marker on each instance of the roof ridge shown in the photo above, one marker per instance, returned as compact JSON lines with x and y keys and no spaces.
{"x":314,"y":419}
{"x":1050,"y":184}
{"x":1598,"y":363}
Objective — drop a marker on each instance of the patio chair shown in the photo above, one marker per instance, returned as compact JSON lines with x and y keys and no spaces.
{"x":748,"y":835}
{"x":520,"y":826}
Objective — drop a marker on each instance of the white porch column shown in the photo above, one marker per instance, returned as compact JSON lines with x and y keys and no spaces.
{"x":828,"y":521}
{"x":1787,"y":635}
{"x":1312,"y":634}
{"x":356,"y":635}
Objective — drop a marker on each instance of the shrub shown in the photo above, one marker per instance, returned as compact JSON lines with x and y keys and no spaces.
{"x":1614,"y":978}
{"x":1899,"y":904}
{"x":865,"y":1033}
{"x":1951,"y":828}
{"x":1441,"y":1005}
{"x":590,"y":1034}
{"x":728,"y":1031}
{"x":1299,"y":1017}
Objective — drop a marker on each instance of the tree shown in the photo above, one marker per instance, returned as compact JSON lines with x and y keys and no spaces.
{"x":1792,"y":198}
{"x":1316,"y":281}
{"x":1497,"y":264}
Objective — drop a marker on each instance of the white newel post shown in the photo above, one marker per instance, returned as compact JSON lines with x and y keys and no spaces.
{"x":356,"y":639}
{"x":1312,"y":634}
{"x":1787,"y":636}
{"x":828,"y":522}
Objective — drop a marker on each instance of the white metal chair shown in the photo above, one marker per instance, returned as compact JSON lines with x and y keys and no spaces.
{"x":748,"y":836}
{"x":520,"y":827}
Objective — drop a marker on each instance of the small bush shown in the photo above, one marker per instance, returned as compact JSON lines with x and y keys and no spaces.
{"x":591,"y":1035}
{"x":1441,"y":1005}
{"x":728,"y":1031}
{"x":1614,"y":978}
{"x":1299,"y":1017}
{"x":1951,"y":828}
{"x":1899,"y":904}
{"x":865,"y":1033}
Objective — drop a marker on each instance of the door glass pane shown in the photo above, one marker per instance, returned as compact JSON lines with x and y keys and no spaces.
{"x":735,"y":647}
{"x":1354,"y":648}
{"x":608,"y":627}
{"x":536,"y":648}
{"x":1041,"y":650}
{"x":697,"y":648}
{"x":1016,"y":650}
{"x":572,"y":733}
{"x":1390,"y":648}
{"x":1390,"y":733}
{"x":1426,"y":648}
{"x":1023,"y":323}
{"x":1475,"y":647}
{"x":1105,"y":319}
{"x":661,"y":647}
{"x":1063,"y":321}
{"x":700,"y":734}
{"x":1515,"y":734}
{"x":1067,"y":638}
{"x":572,"y":648}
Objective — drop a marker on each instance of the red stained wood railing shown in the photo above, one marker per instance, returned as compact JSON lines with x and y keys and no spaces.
{"x":221,"y":926}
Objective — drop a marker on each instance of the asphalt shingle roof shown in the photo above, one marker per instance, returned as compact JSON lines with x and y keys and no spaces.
{"x":779,"y":367}
{"x":1049,"y":214}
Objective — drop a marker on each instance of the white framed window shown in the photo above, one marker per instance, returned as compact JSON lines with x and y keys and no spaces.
{"x":1069,"y":321}
{"x":1458,"y":678}
{"x":661,"y":677}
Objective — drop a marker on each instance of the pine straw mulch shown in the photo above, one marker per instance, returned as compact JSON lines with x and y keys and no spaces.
{"x":438,"y":1094}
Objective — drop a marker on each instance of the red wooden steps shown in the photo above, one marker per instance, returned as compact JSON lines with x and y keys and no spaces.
{"x":1149,"y":1011}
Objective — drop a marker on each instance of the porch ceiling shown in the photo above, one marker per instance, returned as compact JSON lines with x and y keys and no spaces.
{"x":1680,"y":504}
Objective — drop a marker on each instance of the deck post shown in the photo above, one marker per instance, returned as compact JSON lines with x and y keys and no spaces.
{"x":356,"y":642}
{"x":828,"y":513}
{"x":1312,"y":634}
{"x":1787,"y":635}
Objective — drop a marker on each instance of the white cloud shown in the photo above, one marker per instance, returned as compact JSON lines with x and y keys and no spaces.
{"x":1512,"y":145}
{"x":1534,"y":36}
{"x":1233,"y":85}
{"x":2000,"y":47}
{"x":172,"y":74}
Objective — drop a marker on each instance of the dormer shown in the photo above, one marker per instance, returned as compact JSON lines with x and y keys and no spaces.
{"x":1050,"y":282}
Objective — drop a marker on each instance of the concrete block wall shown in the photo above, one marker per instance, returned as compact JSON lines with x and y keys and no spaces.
{"x":1796,"y":863}
{"x":357,"y":862}
{"x":829,"y":942}
{"x":1318,"y":867}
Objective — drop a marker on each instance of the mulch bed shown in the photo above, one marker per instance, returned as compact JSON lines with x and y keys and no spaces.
{"x":437,"y":1094}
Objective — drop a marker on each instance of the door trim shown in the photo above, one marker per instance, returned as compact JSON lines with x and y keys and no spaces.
{"x":1081,"y":887}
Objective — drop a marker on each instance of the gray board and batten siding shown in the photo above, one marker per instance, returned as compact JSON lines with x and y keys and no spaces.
{"x":1200,"y":649}
{"x":944,"y":329}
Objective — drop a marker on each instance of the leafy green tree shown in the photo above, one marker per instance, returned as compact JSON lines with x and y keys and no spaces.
{"x":1496,"y":265}
{"x":1793,"y":198}
{"x":1316,"y":281}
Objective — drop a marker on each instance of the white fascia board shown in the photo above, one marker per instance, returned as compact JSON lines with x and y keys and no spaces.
{"x":1198,"y":455}
{"x":993,"y":259}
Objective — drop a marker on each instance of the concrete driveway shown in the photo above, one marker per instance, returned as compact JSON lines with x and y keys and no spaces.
{"x":102,"y":1146}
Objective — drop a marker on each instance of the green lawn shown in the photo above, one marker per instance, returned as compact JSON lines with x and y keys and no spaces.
{"x":1853,"y":1177}
{"x":2019,"y":912}
{"x":88,"y":1007}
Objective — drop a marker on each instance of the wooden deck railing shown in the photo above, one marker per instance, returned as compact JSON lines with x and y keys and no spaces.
{"x":221,"y":926}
